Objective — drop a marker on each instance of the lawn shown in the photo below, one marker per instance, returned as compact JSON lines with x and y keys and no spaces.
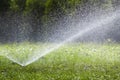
{"x":69,"y":62}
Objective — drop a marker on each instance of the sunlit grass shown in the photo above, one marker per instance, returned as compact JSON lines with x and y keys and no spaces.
{"x":69,"y":62}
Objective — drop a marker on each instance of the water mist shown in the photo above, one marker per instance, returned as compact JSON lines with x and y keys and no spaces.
{"x":73,"y":33}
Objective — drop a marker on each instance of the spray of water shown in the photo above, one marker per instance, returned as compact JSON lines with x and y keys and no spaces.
{"x":93,"y":25}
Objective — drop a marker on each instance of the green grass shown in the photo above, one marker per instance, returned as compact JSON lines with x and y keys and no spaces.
{"x":70,"y":62}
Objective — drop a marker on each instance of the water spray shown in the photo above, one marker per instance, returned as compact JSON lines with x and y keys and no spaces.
{"x":95,"y":24}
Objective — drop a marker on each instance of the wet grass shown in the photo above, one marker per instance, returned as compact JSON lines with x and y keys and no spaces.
{"x":70,"y":62}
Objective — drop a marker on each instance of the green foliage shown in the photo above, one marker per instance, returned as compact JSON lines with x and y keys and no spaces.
{"x":70,"y":62}
{"x":45,"y":7}
{"x":17,"y":5}
{"x":66,"y":6}
{"x":35,"y":6}
{"x":48,"y":5}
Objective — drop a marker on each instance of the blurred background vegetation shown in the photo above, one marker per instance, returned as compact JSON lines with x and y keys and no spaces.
{"x":25,"y":19}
